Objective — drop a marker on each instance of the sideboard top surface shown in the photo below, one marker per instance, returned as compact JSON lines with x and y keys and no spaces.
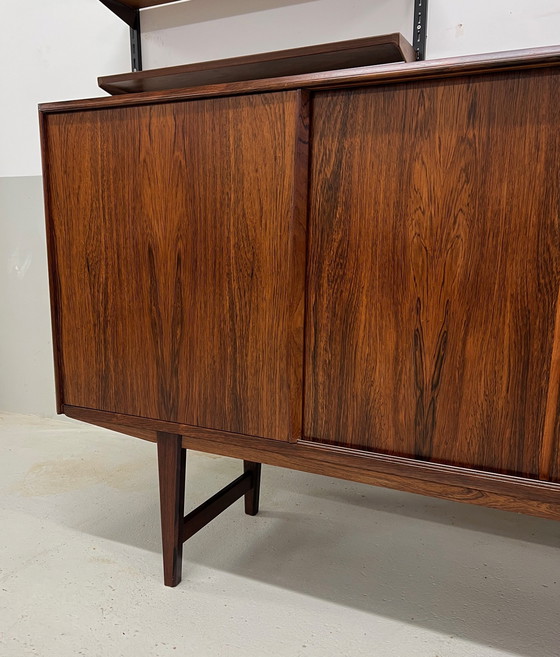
{"x":362,"y":76}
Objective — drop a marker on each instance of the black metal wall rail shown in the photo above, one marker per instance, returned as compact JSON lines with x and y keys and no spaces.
{"x":419,"y":33}
{"x":131,"y":17}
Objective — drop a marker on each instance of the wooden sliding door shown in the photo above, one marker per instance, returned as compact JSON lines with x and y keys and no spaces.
{"x":177,"y":235}
{"x":434,"y":271}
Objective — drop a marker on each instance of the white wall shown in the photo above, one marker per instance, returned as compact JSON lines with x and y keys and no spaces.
{"x":466,"y":27}
{"x":55,"y":49}
{"x":26,"y":367}
{"x":198,"y":30}
{"x":50,"y":50}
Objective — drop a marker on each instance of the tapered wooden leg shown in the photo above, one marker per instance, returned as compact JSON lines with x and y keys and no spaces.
{"x":252,"y":497}
{"x":172,"y":459}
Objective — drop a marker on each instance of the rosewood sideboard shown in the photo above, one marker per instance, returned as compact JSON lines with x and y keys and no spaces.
{"x":352,"y":272}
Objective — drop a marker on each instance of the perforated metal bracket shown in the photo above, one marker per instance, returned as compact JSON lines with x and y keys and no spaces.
{"x":419,"y":32}
{"x":132,"y":18}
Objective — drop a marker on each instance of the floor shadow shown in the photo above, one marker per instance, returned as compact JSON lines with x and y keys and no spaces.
{"x":441,"y":587}
{"x":451,"y":568}
{"x":466,"y":516}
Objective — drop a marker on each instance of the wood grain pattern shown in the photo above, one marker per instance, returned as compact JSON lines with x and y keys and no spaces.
{"x":488,"y":63}
{"x":459,"y":484}
{"x":555,"y":471}
{"x":368,"y":51}
{"x":179,"y":240}
{"x":434,"y":278}
{"x":433,"y":343}
{"x":551,"y":432}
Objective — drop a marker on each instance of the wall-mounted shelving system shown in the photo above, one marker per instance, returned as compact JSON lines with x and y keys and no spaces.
{"x":129,"y":12}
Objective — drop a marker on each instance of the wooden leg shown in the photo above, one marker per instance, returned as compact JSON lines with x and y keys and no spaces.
{"x":175,"y":527}
{"x":172,"y":459}
{"x":252,"y":497}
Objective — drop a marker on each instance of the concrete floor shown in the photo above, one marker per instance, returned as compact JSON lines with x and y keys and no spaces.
{"x":327,"y":568}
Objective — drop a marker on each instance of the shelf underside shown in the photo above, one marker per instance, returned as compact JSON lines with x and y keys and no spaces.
{"x":312,"y":59}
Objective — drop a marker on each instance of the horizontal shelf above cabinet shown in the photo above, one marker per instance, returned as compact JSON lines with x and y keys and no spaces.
{"x":342,"y":55}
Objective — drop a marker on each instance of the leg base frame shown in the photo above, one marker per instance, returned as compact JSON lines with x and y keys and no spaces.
{"x":175,"y":528}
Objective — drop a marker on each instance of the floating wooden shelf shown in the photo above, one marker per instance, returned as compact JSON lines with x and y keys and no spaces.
{"x":311,"y":59}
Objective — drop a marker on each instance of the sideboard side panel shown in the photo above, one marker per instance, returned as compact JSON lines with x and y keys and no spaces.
{"x":434,"y":270}
{"x":179,"y":232}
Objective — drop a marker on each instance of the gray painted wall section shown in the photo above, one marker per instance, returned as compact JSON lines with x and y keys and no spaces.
{"x":26,"y":362}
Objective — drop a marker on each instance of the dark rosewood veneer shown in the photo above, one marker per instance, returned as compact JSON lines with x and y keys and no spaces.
{"x":354,"y":273}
